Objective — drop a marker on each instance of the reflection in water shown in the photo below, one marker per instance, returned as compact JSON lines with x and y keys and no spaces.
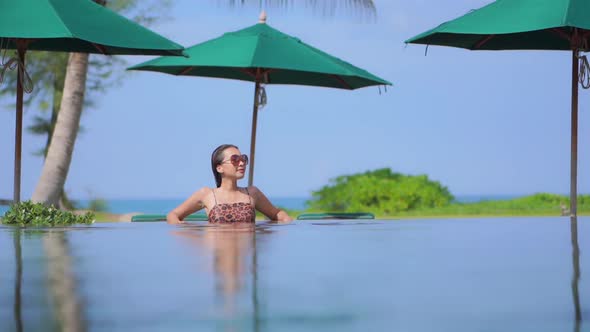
{"x":233,"y":291}
{"x":576,"y":275}
{"x":62,"y":283}
{"x":255,"y":306}
{"x":64,"y":304}
{"x":233,"y":248}
{"x":18,"y":278}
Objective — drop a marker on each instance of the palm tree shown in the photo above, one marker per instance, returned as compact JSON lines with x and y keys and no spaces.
{"x":59,"y":154}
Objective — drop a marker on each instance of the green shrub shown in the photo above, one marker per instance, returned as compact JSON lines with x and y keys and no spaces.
{"x":382,"y":192}
{"x":36,"y":214}
{"x":98,"y":205}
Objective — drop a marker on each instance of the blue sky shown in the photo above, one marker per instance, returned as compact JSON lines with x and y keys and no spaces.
{"x":478,"y":122}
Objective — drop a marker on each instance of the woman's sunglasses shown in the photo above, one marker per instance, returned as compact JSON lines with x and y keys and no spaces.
{"x":235,"y":160}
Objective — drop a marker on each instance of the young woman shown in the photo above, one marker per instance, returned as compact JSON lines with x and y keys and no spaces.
{"x":228,"y":203}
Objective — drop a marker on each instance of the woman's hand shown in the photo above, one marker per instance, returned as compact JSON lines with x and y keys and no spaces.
{"x":283,"y":217}
{"x":265,"y":206}
{"x":173,"y":219}
{"x":192,"y":204}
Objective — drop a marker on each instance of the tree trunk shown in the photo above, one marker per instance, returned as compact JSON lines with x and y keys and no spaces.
{"x":59,"y":155}
{"x":58,"y":88}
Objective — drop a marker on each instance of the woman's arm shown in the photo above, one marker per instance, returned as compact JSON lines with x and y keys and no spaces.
{"x":265,"y":206}
{"x":192,"y":204}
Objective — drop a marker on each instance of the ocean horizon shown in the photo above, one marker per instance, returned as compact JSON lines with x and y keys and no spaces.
{"x":162,"y":206}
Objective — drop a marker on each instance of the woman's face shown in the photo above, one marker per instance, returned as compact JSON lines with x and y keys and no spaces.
{"x":233,"y":164}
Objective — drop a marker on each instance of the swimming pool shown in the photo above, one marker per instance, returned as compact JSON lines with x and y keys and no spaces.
{"x":495,"y":274}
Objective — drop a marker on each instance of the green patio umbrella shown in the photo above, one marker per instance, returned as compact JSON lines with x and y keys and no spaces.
{"x":525,"y":25}
{"x":263,"y":55}
{"x":67,"y":26}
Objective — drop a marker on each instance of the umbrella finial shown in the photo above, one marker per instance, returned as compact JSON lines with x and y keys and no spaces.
{"x":262,"y":17}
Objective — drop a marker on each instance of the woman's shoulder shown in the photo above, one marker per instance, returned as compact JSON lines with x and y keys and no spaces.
{"x":253,"y":190}
{"x":204,"y":191}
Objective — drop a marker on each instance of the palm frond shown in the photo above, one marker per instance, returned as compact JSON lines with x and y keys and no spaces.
{"x":40,"y":126}
{"x":325,"y":7}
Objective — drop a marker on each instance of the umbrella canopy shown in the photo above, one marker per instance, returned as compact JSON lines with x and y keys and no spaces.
{"x":77,"y":26}
{"x":525,"y":25}
{"x":263,"y":55}
{"x":283,"y":59}
{"x":516,"y":25}
{"x":68,"y":26}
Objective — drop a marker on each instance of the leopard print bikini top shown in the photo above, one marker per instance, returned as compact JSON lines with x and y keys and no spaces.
{"x":229,"y":213}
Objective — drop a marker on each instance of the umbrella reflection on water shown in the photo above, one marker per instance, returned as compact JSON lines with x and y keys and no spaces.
{"x":576,"y":273}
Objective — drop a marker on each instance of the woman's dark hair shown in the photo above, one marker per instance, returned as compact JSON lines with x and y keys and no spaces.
{"x":216,"y":159}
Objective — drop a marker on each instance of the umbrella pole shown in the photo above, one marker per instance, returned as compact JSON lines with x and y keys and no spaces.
{"x":18,"y":135}
{"x":574,"y":141}
{"x":253,"y":136}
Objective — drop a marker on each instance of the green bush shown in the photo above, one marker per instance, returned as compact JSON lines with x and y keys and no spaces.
{"x":539,"y":204}
{"x":381,"y":192}
{"x":36,"y":214}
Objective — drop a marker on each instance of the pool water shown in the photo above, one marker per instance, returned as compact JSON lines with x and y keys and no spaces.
{"x":494,"y":274}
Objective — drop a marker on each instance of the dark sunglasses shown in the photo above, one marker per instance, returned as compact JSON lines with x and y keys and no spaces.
{"x":235,"y":160}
